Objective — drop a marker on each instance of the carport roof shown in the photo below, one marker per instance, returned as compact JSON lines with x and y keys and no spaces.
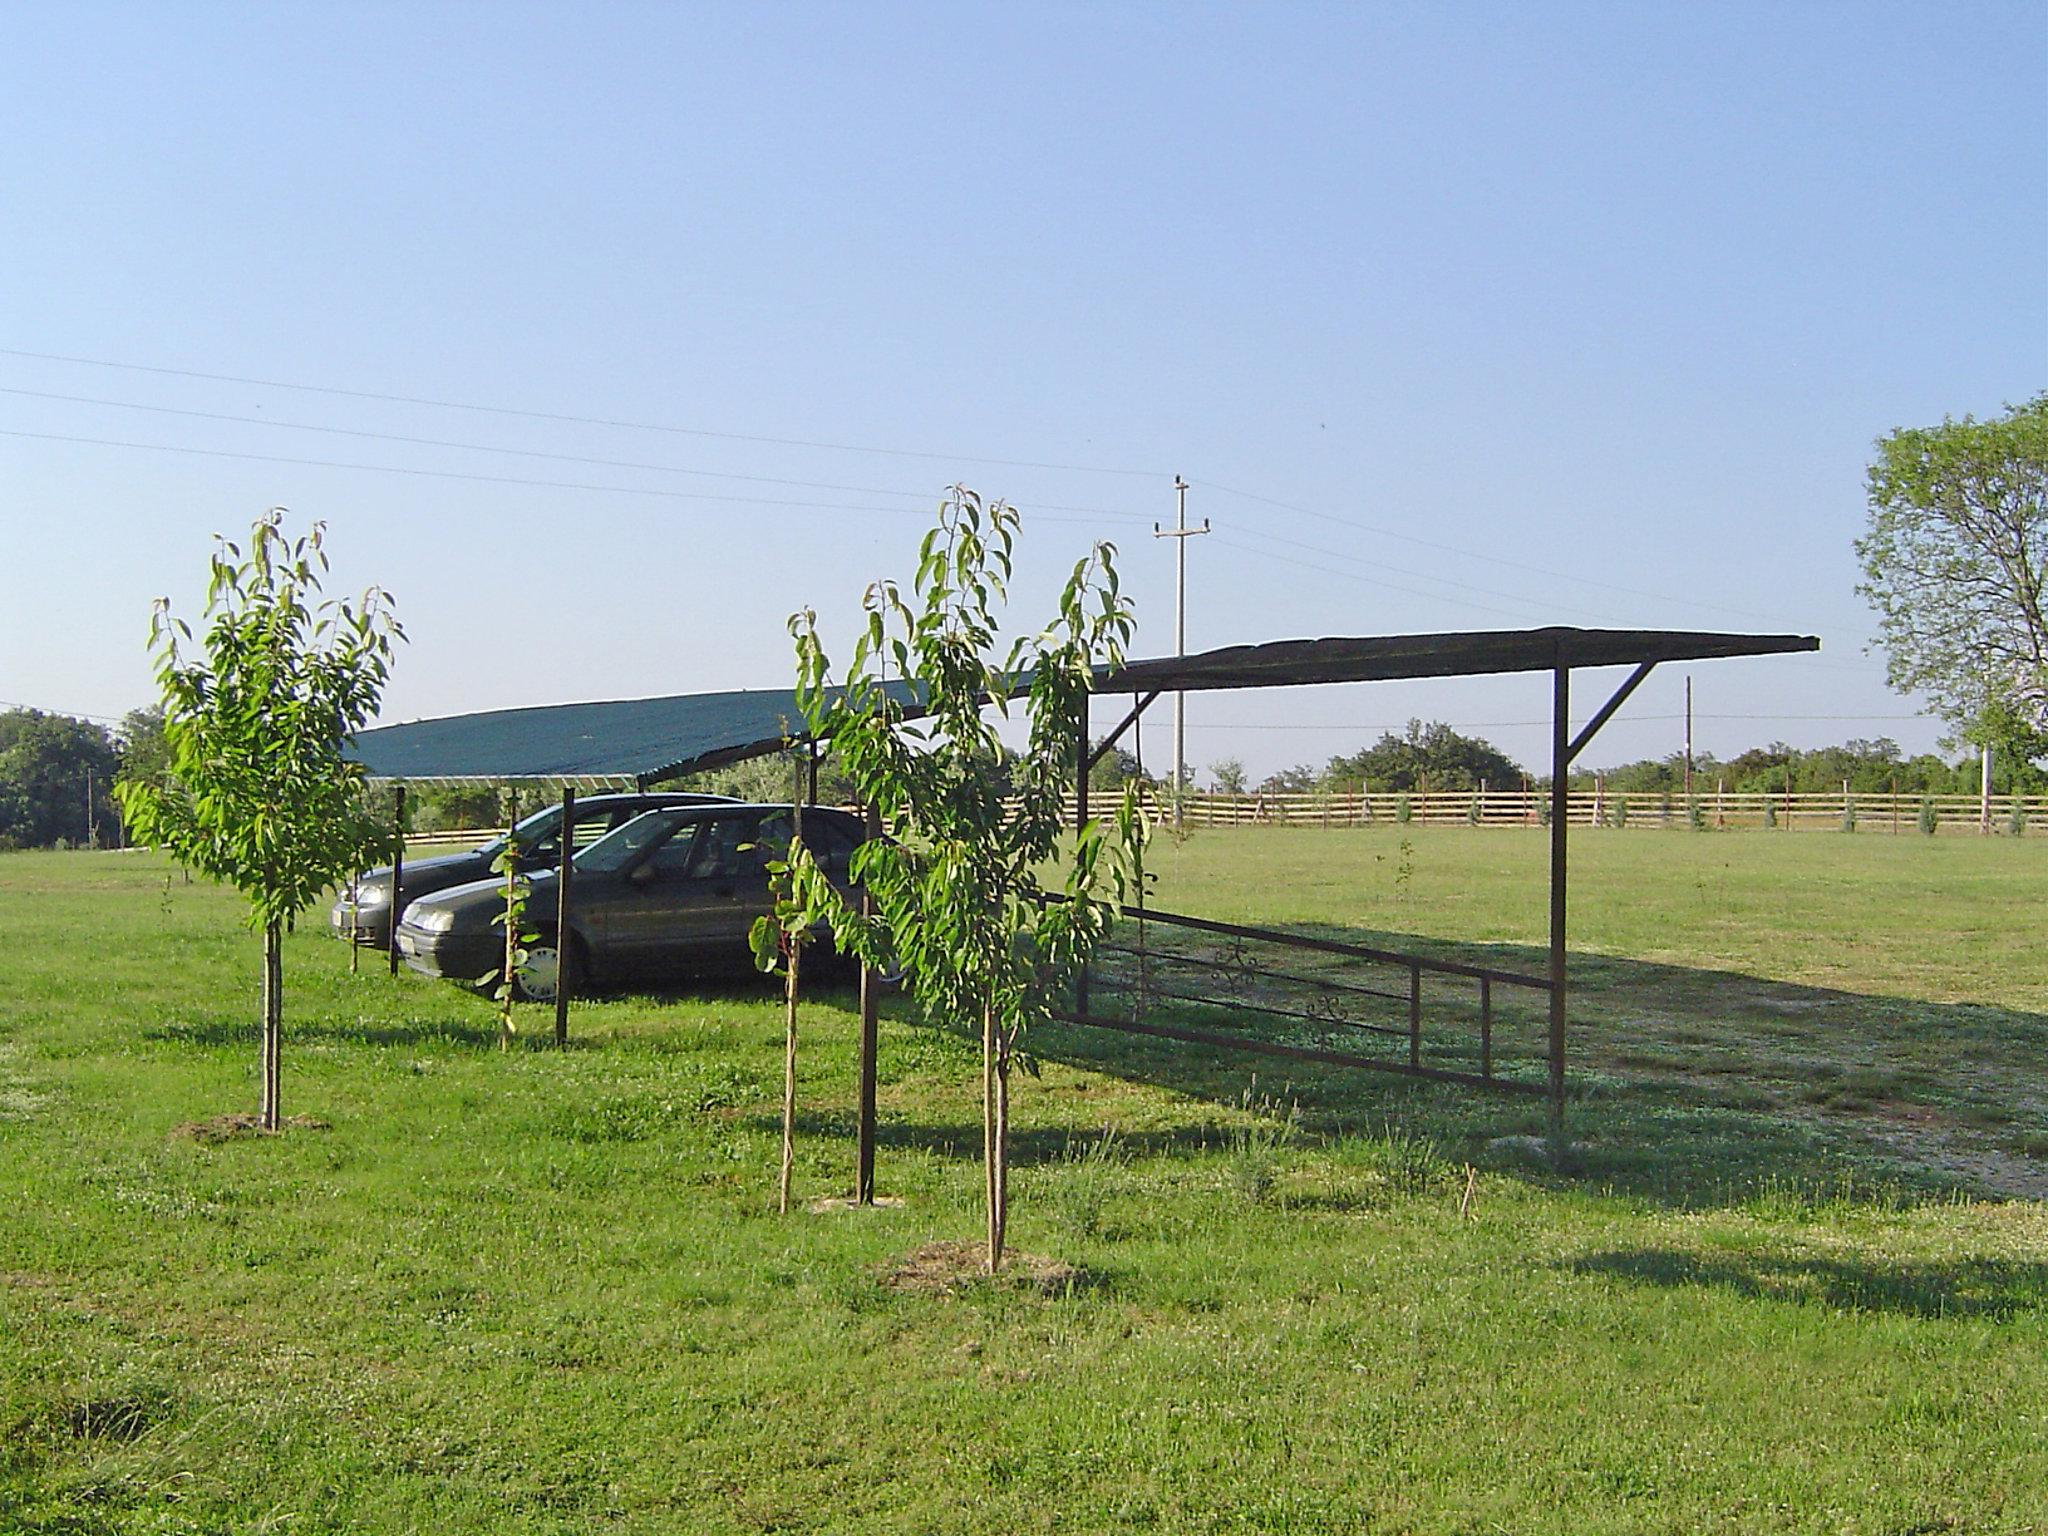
{"x":651,"y":739}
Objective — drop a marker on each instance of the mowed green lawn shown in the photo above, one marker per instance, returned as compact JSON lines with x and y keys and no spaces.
{"x":1795,"y":1283}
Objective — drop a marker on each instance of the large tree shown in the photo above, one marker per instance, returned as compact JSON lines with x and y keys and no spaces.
{"x":56,"y":777}
{"x":1433,"y":753}
{"x":256,"y":790}
{"x":1953,"y":562}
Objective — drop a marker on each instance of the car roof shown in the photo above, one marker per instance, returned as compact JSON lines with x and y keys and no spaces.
{"x":656,"y":798}
{"x":759,"y":808}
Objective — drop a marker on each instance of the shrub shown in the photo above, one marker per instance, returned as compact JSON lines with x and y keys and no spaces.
{"x":1848,"y":815}
{"x":1928,"y":820}
{"x":1472,"y":811}
{"x":2016,"y":824}
{"x":1617,"y":812}
{"x":1770,"y":814}
{"x":1695,"y":814}
{"x":1403,"y":812}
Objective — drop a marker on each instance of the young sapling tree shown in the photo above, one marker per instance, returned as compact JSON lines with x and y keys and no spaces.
{"x":982,"y":898}
{"x":255,"y":790}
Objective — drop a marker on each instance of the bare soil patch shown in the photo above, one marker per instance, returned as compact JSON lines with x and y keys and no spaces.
{"x":228,"y":1127}
{"x":946,"y":1268}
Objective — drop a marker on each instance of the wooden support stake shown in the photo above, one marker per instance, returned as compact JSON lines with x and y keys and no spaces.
{"x":795,"y":941}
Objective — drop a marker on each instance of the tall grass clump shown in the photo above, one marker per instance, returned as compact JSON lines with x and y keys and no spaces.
{"x":1086,"y":1178}
{"x":1258,"y":1143}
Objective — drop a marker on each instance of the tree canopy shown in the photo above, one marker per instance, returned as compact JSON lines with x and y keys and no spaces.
{"x":1432,"y":752}
{"x":984,"y":899}
{"x":255,"y":790}
{"x":56,"y":779}
{"x":1954,"y":559}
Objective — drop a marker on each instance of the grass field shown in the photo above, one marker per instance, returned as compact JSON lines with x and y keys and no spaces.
{"x":1797,"y":1283}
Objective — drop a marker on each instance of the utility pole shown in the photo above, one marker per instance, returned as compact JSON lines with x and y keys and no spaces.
{"x":1984,"y":792}
{"x":1688,"y":743}
{"x":1180,"y":533}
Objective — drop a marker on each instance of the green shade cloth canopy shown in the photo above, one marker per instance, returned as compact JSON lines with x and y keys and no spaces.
{"x":652,"y":739}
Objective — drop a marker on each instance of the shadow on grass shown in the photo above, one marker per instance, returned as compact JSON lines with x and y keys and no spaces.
{"x":1999,"y":1289}
{"x":410,"y":1033}
{"x":1689,"y":1086}
{"x":1028,"y":1146}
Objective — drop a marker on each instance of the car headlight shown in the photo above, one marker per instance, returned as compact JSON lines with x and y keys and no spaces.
{"x":432,"y":920}
{"x":371,"y":895}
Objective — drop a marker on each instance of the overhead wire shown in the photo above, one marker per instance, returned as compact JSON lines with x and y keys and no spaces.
{"x":569,"y":417}
{"x":482,"y":479}
{"x":1517,"y":565}
{"x":524,"y":453}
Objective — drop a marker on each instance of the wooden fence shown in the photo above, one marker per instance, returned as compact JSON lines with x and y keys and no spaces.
{"x":1829,"y":812}
{"x":1608,"y":808}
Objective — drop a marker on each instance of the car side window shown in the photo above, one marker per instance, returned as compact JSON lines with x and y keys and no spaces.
{"x":672,"y":858}
{"x":832,"y":844}
{"x":737,"y":849}
{"x":589,"y":829}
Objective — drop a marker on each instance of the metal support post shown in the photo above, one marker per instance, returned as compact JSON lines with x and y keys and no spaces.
{"x":564,"y":874}
{"x":1081,"y":764}
{"x":1560,"y":821}
{"x":870,"y":985}
{"x":397,"y":908}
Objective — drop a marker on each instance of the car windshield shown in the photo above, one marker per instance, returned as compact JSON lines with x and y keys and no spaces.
{"x":619,"y":847}
{"x":532,"y":832}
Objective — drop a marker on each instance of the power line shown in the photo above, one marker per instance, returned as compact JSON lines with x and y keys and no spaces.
{"x":1338,"y":554}
{"x":1516,"y":565}
{"x":564,"y":416}
{"x":1435,"y":597}
{"x":449,"y":474}
{"x":524,"y":453}
{"x":75,"y":714}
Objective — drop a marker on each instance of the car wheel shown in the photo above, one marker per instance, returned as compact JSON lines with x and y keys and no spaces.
{"x":537,"y":977}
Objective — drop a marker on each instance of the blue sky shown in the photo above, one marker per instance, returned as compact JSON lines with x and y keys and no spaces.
{"x":1502,"y":316}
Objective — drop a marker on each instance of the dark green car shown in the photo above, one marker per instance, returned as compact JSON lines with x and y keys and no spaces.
{"x":364,"y":909}
{"x":669,"y":896}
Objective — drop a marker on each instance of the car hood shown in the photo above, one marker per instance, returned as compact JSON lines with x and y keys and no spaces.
{"x":439,"y":864}
{"x":486,"y":895}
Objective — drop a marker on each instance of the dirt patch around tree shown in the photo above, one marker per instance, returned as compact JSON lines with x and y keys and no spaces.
{"x":945,"y":1269}
{"x":230,"y":1127}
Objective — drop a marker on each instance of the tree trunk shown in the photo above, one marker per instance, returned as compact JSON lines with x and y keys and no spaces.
{"x":273,"y":1021}
{"x":796,"y":952}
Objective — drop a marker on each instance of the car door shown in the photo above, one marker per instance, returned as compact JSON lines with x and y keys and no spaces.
{"x":636,"y":911}
{"x":725,"y":890}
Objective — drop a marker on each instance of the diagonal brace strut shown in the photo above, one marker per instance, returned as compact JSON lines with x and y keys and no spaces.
{"x":1592,"y":726}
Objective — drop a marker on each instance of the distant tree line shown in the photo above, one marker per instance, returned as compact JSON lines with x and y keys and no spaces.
{"x":1438,"y":757}
{"x":1870,"y":767}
